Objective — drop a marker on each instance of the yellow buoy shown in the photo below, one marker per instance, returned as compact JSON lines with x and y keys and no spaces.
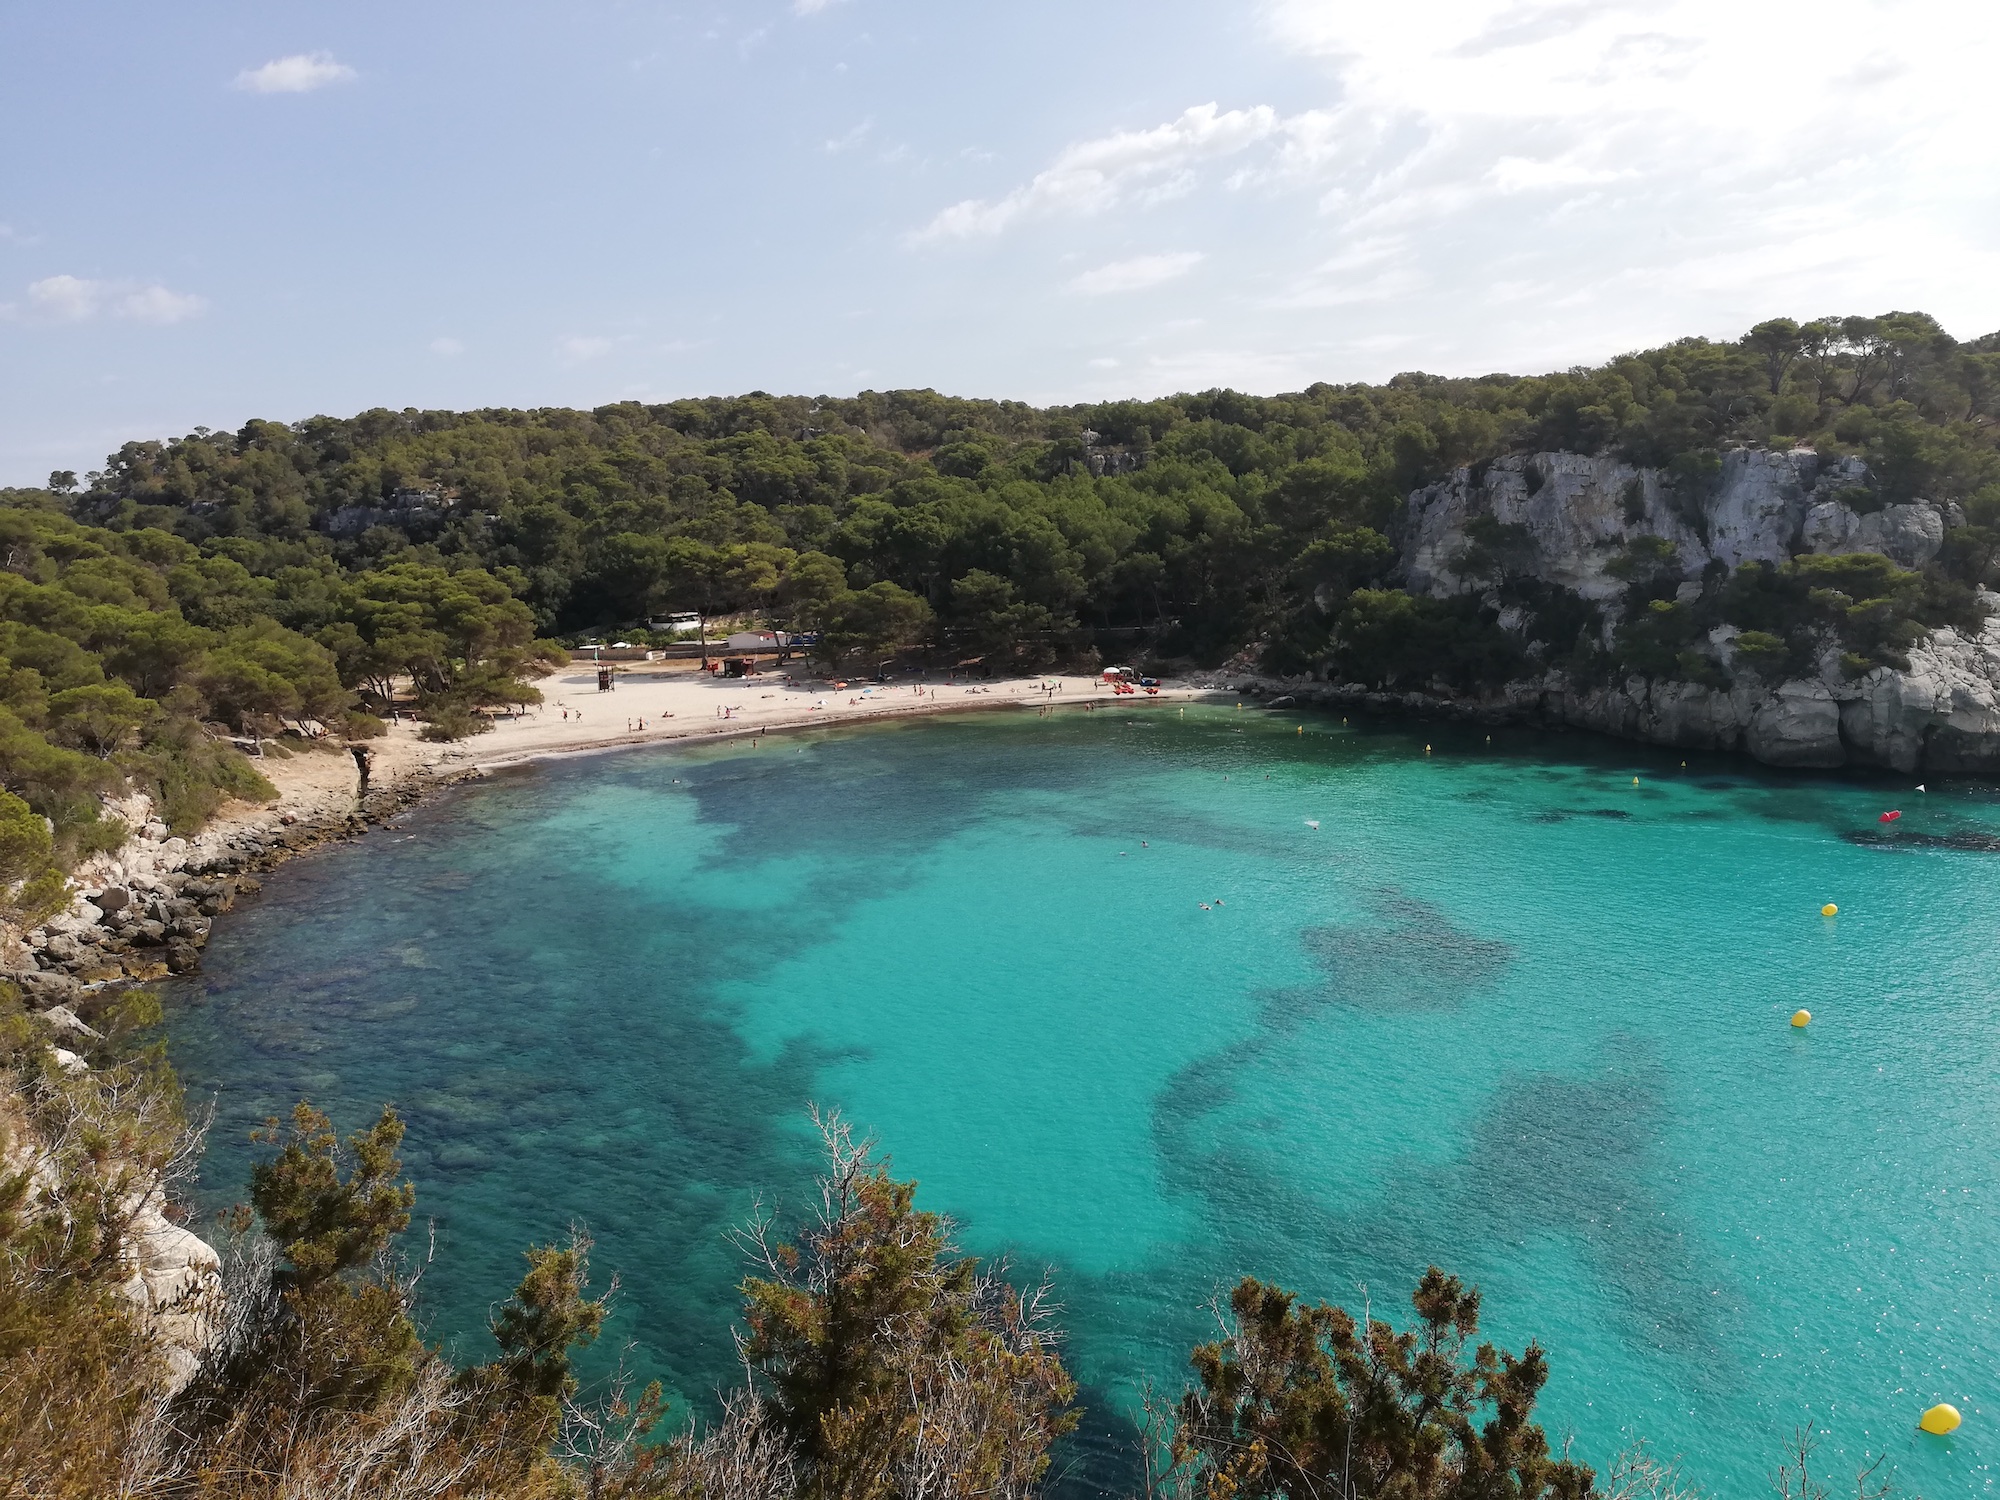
{"x":1829,"y":910}
{"x":1302,"y":729}
{"x":1940,"y":1419}
{"x":1427,"y":749}
{"x":1635,"y":781}
{"x":1802,"y":1019}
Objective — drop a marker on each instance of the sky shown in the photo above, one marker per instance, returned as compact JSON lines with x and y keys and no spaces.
{"x":217,"y":211}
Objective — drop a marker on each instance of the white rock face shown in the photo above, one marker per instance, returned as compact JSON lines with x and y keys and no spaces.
{"x":1908,"y":534}
{"x":1797,"y":725}
{"x":1756,"y":511}
{"x":1579,"y":513}
{"x":171,"y":1275}
{"x":176,"y":1279}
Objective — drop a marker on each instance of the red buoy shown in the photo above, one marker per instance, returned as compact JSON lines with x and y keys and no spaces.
{"x":1888,"y":817}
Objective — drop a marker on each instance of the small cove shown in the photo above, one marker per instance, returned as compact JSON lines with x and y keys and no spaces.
{"x":1503,"y":1010}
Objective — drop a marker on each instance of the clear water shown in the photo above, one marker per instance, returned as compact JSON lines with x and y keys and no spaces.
{"x":1503,"y":1010}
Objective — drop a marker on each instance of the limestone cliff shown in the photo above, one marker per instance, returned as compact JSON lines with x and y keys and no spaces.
{"x":1578,"y":514}
{"x":1582,"y":512}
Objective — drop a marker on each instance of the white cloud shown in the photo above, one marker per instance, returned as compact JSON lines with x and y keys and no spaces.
{"x":74,"y":299}
{"x":1601,"y":147}
{"x":300,"y":73}
{"x":812,"y":7}
{"x":67,"y":299}
{"x":848,"y":140}
{"x":448,"y":348}
{"x":1520,"y":174}
{"x":1532,"y":183}
{"x":578,"y":349}
{"x":155,"y":304}
{"x":1137,"y":274}
{"x":1146,"y":166}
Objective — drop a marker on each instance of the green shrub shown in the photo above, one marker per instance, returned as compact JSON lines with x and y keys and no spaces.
{"x":448,"y":724}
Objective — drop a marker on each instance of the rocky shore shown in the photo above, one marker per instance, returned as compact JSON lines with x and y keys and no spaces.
{"x":1941,"y":717}
{"x":145,"y":912}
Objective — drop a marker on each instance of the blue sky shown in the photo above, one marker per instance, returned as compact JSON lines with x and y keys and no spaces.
{"x":210,"y":212}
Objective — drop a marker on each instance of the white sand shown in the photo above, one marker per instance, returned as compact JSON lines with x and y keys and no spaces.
{"x":677,"y":701}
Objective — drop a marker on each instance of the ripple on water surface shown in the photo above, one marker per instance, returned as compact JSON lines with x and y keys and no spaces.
{"x":1099,"y":983}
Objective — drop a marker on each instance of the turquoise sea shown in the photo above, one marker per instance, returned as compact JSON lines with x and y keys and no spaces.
{"x":1503,"y":1010}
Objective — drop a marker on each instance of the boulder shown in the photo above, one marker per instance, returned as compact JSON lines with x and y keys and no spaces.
{"x":175,"y":1278}
{"x":113,"y":898}
{"x":63,"y":1019}
{"x":44,"y":989}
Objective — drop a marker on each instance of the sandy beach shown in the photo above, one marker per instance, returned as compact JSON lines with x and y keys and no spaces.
{"x":679,"y":702}
{"x":674,"y":702}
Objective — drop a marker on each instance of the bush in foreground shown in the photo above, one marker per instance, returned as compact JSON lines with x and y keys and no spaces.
{"x":879,"y":1362}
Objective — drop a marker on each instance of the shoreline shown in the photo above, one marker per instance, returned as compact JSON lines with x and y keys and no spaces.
{"x":144,"y":912}
{"x":1078,"y":693}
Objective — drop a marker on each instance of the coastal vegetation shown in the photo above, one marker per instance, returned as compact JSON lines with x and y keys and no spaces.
{"x":135,"y":660}
{"x":206,"y":593}
{"x":1193,"y":524}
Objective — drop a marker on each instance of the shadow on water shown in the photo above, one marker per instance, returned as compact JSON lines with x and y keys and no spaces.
{"x":1411,"y":958}
{"x":1966,"y":841}
{"x":1555,"y":1155}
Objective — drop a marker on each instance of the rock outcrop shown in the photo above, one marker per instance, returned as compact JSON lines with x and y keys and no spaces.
{"x":175,"y":1280}
{"x":172,"y":1276}
{"x":1943,"y":714}
{"x":144,"y":911}
{"x":1578,"y":514}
